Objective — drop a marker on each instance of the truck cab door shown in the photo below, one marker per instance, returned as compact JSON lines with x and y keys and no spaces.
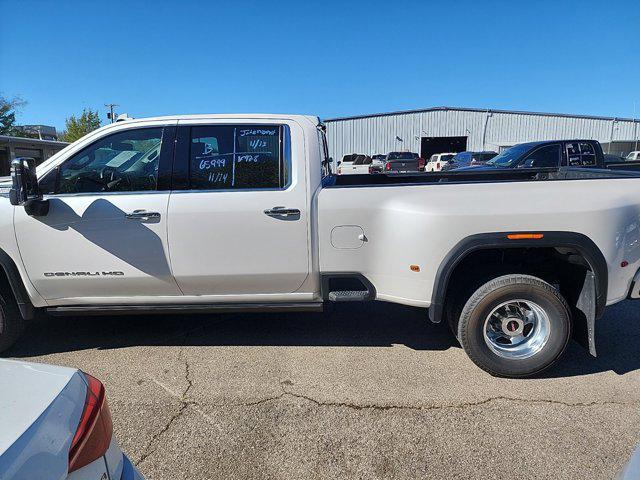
{"x":104,"y":236}
{"x":238,"y":212}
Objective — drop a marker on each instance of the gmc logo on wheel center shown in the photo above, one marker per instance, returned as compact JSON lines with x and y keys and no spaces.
{"x":84,"y":274}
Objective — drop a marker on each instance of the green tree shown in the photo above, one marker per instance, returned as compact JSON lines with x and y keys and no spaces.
{"x":8,"y":109}
{"x":78,"y":127}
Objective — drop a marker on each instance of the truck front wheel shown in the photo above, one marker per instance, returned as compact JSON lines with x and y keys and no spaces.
{"x":11,"y":322}
{"x":515,"y":326}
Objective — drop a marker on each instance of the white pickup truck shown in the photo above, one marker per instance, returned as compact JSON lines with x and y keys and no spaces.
{"x":210,"y":213}
{"x":361,"y":165}
{"x":437,"y":161}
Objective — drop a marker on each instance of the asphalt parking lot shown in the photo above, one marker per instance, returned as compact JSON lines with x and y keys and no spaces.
{"x":365,"y":391}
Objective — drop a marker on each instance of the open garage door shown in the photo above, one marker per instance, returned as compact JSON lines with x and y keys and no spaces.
{"x":431,"y":145}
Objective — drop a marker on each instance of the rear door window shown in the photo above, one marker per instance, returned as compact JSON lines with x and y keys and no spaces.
{"x":587,"y":154}
{"x":580,"y":154}
{"x":237,"y":157}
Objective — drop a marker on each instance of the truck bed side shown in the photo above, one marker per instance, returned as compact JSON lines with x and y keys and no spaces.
{"x":418,"y":225}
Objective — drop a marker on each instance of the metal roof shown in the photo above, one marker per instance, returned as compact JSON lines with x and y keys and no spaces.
{"x":479,"y":110}
{"x":37,"y":141}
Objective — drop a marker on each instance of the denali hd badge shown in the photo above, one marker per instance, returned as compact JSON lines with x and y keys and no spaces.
{"x":83,"y":274}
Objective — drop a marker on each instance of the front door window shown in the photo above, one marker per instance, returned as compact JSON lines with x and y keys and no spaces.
{"x":126,"y":161}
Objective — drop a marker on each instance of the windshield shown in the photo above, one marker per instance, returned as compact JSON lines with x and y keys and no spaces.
{"x":510,"y":155}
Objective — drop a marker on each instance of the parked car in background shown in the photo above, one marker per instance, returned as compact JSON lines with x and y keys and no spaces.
{"x":403,"y":162}
{"x":565,"y":153}
{"x":346,"y":162}
{"x":616,"y":162}
{"x":437,"y":161}
{"x":360,"y":166}
{"x":55,"y":424}
{"x":547,"y":154}
{"x":377,"y":163}
{"x":465,"y":159}
{"x":633,"y":156}
{"x":481,"y":158}
{"x":611,"y":158}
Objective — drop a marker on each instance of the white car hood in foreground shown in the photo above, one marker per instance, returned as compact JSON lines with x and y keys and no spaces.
{"x":26,"y":390}
{"x":40,"y":407}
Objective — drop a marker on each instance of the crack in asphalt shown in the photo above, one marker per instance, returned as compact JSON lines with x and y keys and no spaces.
{"x":184,"y":403}
{"x":355,"y":406}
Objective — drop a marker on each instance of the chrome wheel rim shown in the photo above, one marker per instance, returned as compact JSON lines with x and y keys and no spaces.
{"x":517,"y":329}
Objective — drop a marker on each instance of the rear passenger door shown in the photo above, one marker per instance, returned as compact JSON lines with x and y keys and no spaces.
{"x":238,"y":214}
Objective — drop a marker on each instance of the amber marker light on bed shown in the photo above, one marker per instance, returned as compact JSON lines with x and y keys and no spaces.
{"x":415,"y":268}
{"x":525,"y":236}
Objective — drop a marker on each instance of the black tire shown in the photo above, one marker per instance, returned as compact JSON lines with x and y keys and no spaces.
{"x":471,"y":325}
{"x":11,"y":322}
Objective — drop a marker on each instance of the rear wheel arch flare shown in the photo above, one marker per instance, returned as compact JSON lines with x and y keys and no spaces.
{"x":498,"y":240}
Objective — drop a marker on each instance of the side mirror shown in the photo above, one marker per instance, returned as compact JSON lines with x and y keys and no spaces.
{"x":24,"y":190}
{"x":339,"y":162}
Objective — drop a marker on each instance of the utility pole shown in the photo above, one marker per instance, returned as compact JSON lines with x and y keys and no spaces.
{"x":635,"y":127}
{"x":111,"y":115}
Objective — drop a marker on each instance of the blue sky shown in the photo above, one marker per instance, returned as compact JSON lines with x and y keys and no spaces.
{"x":319,"y":57}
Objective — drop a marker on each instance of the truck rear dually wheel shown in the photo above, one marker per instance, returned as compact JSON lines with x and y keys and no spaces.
{"x":515,"y":326}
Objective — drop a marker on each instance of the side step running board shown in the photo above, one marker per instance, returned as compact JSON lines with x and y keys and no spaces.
{"x":349,"y":296}
{"x":347,"y":287}
{"x":173,"y":309}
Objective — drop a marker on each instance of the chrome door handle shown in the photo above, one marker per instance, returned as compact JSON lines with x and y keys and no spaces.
{"x":142,"y":215}
{"x":282,"y":212}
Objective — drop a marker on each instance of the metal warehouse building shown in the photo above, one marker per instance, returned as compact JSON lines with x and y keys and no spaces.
{"x":448,"y":129}
{"x":12,"y":147}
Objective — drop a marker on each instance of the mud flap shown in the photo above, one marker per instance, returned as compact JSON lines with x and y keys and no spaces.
{"x":584,"y":325}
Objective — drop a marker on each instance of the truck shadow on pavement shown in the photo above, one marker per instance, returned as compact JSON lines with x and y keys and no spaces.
{"x":345,"y":325}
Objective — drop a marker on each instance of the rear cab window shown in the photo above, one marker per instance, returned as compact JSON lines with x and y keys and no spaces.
{"x":237,"y":157}
{"x":580,"y":154}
